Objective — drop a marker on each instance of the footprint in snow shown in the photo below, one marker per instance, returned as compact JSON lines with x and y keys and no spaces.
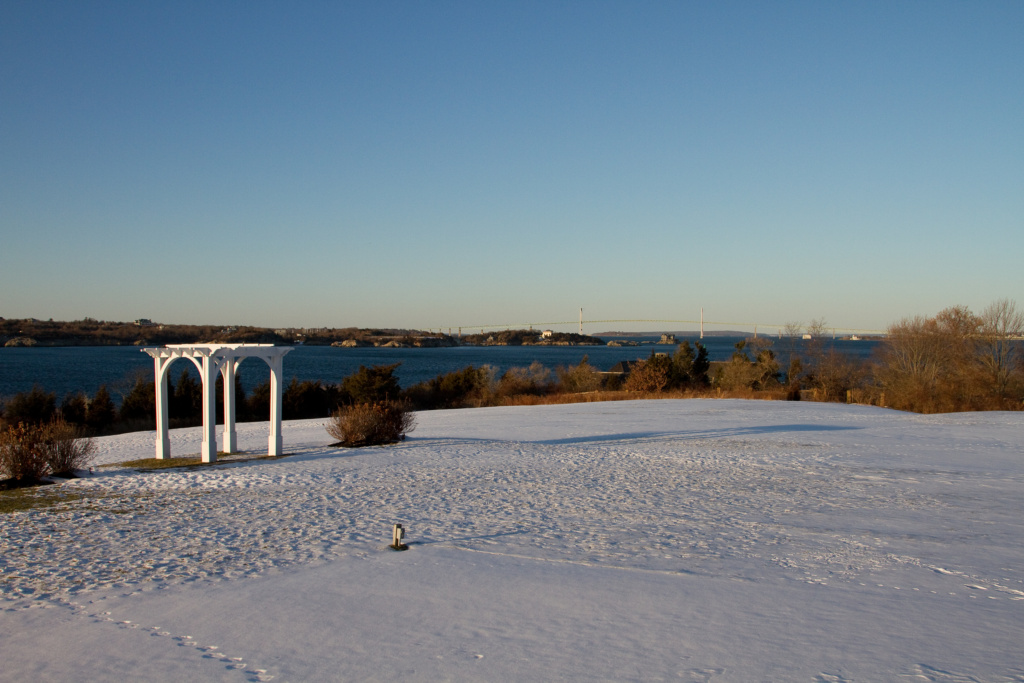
{"x":937,"y":675}
{"x":702,"y":675}
{"x":831,"y":678}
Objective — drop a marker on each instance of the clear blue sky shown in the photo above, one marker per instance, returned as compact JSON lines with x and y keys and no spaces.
{"x":434,"y":164}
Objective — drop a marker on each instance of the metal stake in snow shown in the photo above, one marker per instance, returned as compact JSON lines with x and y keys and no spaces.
{"x":397,"y":536}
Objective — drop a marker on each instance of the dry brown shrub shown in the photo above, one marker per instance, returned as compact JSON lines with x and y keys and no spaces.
{"x":580,"y":378}
{"x":371,"y":424}
{"x":601,"y":396}
{"x":534,"y":380}
{"x":23,"y":454}
{"x":647,"y":377}
{"x":30,"y":452}
{"x":68,"y":448}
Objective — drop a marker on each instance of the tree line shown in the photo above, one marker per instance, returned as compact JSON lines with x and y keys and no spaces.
{"x":89,"y":332}
{"x":954,"y":361}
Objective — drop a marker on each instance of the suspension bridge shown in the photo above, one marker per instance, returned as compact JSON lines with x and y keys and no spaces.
{"x":755,"y":327}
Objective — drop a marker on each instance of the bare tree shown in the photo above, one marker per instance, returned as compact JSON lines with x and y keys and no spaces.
{"x":817,"y":328}
{"x":794,"y":363}
{"x":999,"y":344}
{"x":830,"y":373}
{"x":911,"y":361}
{"x":954,"y":361}
{"x":957,"y":328}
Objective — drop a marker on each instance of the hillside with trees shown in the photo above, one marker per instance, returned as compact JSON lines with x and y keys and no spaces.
{"x":530,"y":337}
{"x":89,"y":332}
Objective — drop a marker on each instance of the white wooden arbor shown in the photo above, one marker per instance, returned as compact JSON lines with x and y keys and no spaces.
{"x":210,"y":359}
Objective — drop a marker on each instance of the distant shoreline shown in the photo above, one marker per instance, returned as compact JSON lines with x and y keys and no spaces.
{"x":29,"y":342}
{"x":30,"y":332}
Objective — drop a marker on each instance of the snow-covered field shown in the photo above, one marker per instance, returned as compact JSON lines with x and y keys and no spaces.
{"x":696,"y":540}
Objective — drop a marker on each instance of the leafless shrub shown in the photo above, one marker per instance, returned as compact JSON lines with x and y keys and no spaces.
{"x":67,"y":448}
{"x":533,"y":381}
{"x":648,"y":376}
{"x":834,"y":374}
{"x":23,"y":454}
{"x":370,"y":424}
{"x":735,"y":375}
{"x":31,"y":452}
{"x":580,"y":378}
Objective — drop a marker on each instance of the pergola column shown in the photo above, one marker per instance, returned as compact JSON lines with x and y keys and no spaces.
{"x":209,"y":449}
{"x":275,"y":444}
{"x":163,"y":439}
{"x":227,"y":373}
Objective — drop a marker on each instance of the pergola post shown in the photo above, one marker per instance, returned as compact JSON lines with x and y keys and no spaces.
{"x":275,"y":445}
{"x":209,"y":450}
{"x":227,"y":373}
{"x":163,"y":439}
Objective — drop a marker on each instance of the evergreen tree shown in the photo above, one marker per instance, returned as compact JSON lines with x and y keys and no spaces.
{"x":766,"y":370}
{"x":701,"y":365}
{"x":305,"y":399}
{"x":31,"y":407}
{"x":74,"y":407}
{"x":140,"y":403}
{"x":258,"y":404}
{"x":186,"y":398}
{"x":682,"y":367}
{"x":100,"y":412}
{"x":241,"y":405}
{"x":369,"y":385}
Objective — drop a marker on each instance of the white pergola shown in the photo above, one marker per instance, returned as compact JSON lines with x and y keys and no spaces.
{"x":210,"y":359}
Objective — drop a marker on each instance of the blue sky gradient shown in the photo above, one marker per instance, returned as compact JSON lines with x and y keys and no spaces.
{"x":461,"y":163}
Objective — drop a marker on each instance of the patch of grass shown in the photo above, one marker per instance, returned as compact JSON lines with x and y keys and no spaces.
{"x":12,"y":484}
{"x":34,"y":497}
{"x":191,"y":461}
{"x":48,"y":497}
{"x":156,"y":464}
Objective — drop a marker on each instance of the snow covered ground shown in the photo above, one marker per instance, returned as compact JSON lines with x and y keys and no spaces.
{"x":696,"y":540}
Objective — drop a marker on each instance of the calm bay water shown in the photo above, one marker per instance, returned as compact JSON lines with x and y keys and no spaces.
{"x":63,"y":370}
